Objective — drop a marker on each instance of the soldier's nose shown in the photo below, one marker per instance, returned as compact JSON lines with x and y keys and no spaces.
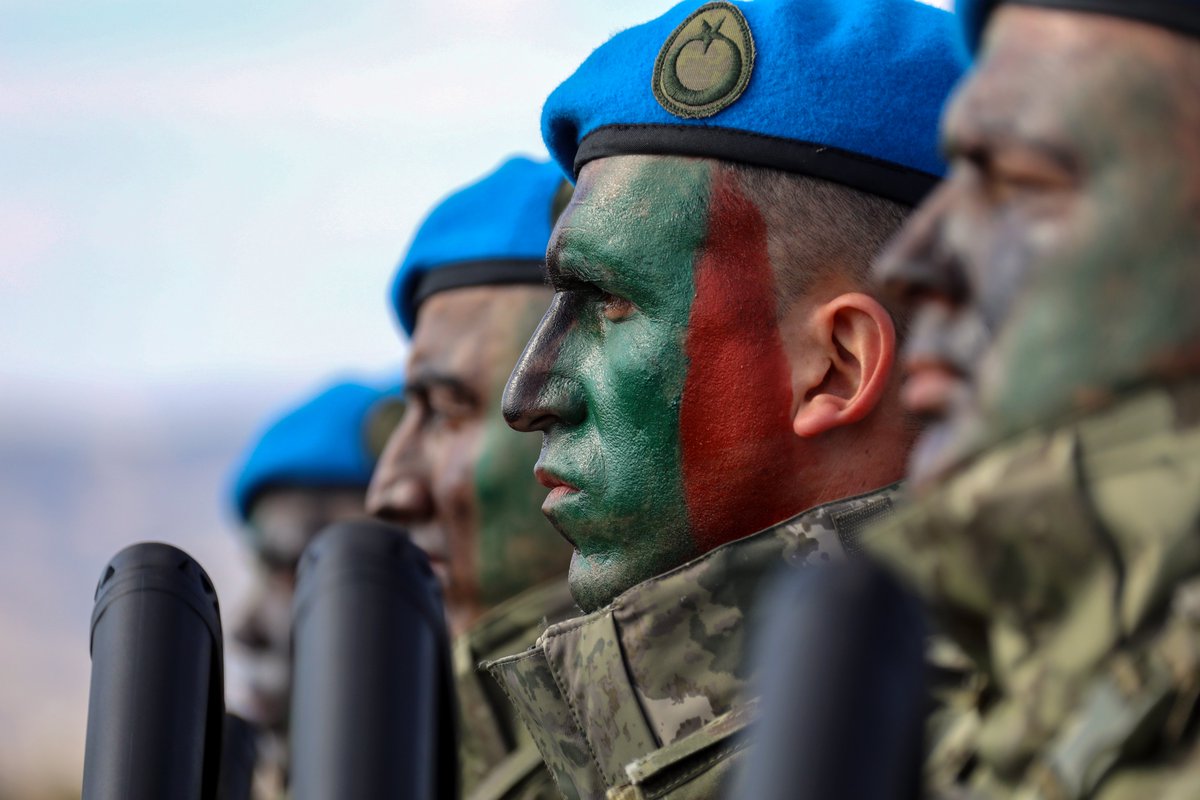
{"x":538,"y":405}
{"x":402,"y":499}
{"x":250,"y":631}
{"x":399,"y":492}
{"x":540,"y":393}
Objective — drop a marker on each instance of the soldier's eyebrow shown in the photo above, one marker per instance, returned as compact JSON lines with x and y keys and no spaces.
{"x":559,"y":279}
{"x":422,"y":379}
{"x":981,"y":139}
{"x":566,"y":271}
{"x":567,"y":281}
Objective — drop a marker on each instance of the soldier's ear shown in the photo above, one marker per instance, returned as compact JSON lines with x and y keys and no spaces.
{"x":844,"y":376}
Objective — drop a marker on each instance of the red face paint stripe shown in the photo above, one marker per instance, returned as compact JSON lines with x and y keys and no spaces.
{"x":739,"y":452}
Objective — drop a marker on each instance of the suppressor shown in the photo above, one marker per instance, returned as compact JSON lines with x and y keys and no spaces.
{"x":239,"y":754}
{"x":373,"y":712}
{"x":156,"y":701}
{"x":844,"y":689}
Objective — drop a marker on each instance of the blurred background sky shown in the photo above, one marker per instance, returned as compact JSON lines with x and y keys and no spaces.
{"x":201,"y":205}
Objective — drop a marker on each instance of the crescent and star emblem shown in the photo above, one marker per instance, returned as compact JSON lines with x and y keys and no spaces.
{"x":705,"y":64}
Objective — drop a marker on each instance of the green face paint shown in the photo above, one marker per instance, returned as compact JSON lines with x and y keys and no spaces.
{"x":1113,"y":286}
{"x":517,"y":548}
{"x":657,"y":376}
{"x":1057,"y":265}
{"x":617,"y":373}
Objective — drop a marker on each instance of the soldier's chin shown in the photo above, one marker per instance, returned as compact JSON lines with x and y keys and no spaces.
{"x":267,"y":709}
{"x":595,"y":581}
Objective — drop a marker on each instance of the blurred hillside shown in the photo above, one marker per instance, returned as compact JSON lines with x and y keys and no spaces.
{"x":81,"y":477}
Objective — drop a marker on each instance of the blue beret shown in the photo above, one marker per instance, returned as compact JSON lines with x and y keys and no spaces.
{"x":324,"y":442}
{"x":494,"y":231}
{"x":1180,"y":15}
{"x":844,"y":90}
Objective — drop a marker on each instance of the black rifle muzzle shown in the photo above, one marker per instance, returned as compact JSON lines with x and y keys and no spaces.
{"x":372,"y":703}
{"x":156,"y":701}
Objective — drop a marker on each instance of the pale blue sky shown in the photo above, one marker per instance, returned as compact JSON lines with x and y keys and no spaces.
{"x":200,"y":191}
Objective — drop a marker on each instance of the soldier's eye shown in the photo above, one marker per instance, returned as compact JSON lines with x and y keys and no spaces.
{"x":616,"y":308}
{"x":447,"y":404}
{"x":1018,"y":171}
{"x":1029,"y":171}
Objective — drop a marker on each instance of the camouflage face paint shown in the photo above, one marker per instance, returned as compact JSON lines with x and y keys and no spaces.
{"x":739,"y":451}
{"x":453,"y":473}
{"x":1057,"y":265}
{"x":517,"y":549}
{"x":610,"y":375}
{"x":658,"y":376}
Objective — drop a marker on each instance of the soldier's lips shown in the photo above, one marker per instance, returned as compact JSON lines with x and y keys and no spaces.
{"x":931,"y":387}
{"x":440,"y":570}
{"x":557,"y":486}
{"x":560,"y":492}
{"x":266,"y":707}
{"x":433,"y":544}
{"x":558,"y":495}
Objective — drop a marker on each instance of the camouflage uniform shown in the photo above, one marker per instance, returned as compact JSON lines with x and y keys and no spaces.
{"x":499,"y":759}
{"x":644,"y":698}
{"x":1067,"y":563}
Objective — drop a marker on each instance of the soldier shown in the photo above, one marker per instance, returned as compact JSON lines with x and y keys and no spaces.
{"x":469,"y":292}
{"x":714,"y":363}
{"x":1056,"y":348}
{"x":308,"y":469}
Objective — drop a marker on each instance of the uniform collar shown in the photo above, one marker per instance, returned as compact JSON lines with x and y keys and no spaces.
{"x":1063,"y":538}
{"x":489,"y":733}
{"x":1052,"y":559}
{"x":665,"y":658}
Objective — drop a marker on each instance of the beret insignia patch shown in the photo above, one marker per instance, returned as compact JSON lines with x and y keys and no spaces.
{"x":706,"y":62}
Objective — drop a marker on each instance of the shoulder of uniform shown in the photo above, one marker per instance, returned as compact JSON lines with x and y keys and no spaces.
{"x":848,"y":519}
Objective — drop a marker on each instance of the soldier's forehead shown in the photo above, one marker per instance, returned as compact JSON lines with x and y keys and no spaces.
{"x":1015,"y":54}
{"x":1053,"y":63}
{"x":457,"y":317}
{"x":463,"y":330}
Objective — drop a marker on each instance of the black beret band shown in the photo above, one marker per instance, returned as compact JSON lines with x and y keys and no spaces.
{"x":874,"y":176}
{"x":1179,"y":15}
{"x":478,"y":273}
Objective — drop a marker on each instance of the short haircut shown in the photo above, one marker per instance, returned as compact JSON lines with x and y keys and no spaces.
{"x":818,"y":229}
